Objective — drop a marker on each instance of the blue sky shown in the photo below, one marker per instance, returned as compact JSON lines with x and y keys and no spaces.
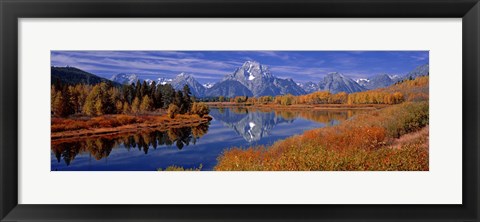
{"x":212,"y":66}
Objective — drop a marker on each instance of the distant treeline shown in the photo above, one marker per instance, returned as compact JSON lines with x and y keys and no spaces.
{"x":325,"y":97}
{"x":407,"y":90}
{"x":105,"y":98}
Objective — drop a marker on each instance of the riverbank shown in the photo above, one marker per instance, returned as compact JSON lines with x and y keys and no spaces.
{"x":394,"y":138}
{"x":297,"y":106}
{"x":79,"y":127}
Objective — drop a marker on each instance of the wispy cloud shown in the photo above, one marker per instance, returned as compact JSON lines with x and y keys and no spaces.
{"x":212,"y":66}
{"x":274,"y":54}
{"x":419,"y":58}
{"x":114,"y":62}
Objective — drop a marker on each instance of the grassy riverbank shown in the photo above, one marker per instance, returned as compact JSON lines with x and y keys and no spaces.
{"x":393,"y":138}
{"x":62,"y":128}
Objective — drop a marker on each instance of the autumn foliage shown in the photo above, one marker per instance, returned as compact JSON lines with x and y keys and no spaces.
{"x":105,"y":98}
{"x":407,"y":90}
{"x":64,"y":124}
{"x":365,"y":142}
{"x":116,"y":120}
{"x":200,"y":109}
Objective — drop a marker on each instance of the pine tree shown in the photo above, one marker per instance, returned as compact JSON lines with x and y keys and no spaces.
{"x":53,"y":94}
{"x":178,"y":99}
{"x":187,"y":100}
{"x":89,"y":107}
{"x":108,"y":105}
{"x":67,"y":102}
{"x":137,"y":90}
{"x":168,"y":94}
{"x":99,"y":107}
{"x":158,"y":98}
{"x":152,"y":90}
{"x":146,"y":104}
{"x":98,"y":101}
{"x":143,"y":89}
{"x":58,"y":107}
{"x":128,"y":93}
{"x":126,"y":108}
{"x":135,"y":105}
{"x":118,"y":107}
{"x":73,"y":100}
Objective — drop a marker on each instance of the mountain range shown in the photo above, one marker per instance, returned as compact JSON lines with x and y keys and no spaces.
{"x":377,"y":81}
{"x":423,"y":70}
{"x":258,"y":79}
{"x":384,"y":80}
{"x":185,"y":79}
{"x":251,"y":79}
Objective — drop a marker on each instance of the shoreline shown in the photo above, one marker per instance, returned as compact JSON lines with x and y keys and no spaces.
{"x":164,"y":123}
{"x":296,"y":107}
{"x":129,"y":128}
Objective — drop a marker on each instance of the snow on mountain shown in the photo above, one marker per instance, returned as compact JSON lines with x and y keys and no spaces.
{"x":228,"y":88}
{"x":259,"y":80}
{"x":362,"y":80}
{"x":208,"y":85}
{"x":183,"y":79}
{"x":394,"y":76}
{"x":336,"y":82}
{"x":163,"y":81}
{"x":149,"y":81}
{"x":378,"y":81}
{"x":255,"y":79}
{"x":310,"y":87}
{"x":124,"y":78}
{"x":252,"y":126}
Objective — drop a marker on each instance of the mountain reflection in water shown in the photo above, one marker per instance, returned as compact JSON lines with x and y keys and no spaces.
{"x":253,"y":124}
{"x":189,"y":146}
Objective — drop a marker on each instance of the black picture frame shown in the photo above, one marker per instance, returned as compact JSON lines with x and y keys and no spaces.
{"x":11,"y":11}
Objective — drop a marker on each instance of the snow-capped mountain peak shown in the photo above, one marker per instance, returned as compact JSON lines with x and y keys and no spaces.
{"x":257,"y":79}
{"x":309,"y":87}
{"x":336,"y":82}
{"x":184,"y":75}
{"x":163,"y":81}
{"x":362,"y":80}
{"x":124,"y":78}
{"x":149,"y":81}
{"x":254,"y":69}
{"x":183,"y":79}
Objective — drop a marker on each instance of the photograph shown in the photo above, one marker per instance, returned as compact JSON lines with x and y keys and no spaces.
{"x":249,"y":110}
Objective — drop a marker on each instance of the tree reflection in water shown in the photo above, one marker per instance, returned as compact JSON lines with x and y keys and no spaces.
{"x":253,"y":124}
{"x":100,"y":147}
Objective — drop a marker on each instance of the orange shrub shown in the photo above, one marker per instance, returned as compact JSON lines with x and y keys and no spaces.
{"x":361,"y":143}
{"x":63,"y":124}
{"x":356,"y":137}
{"x":124,"y":119}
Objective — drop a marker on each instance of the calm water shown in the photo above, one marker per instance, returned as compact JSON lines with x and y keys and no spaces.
{"x":191,"y":146}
